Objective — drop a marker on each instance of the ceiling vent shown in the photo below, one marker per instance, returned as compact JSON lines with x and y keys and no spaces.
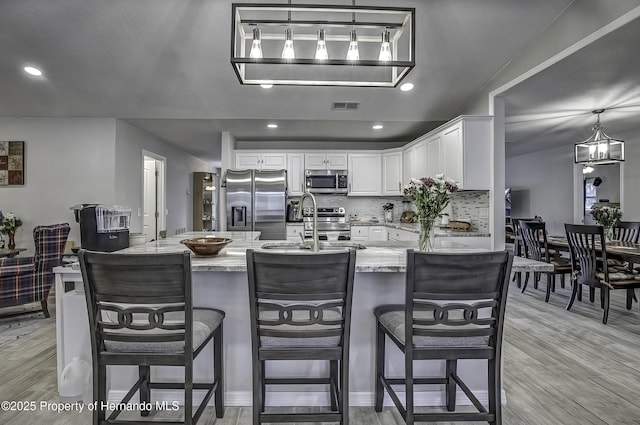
{"x":345,"y":106}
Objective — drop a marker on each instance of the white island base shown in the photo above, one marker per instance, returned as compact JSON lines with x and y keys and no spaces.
{"x":222,"y":284}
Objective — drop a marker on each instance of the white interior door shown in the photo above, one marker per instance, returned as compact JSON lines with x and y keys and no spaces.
{"x":150,"y":214}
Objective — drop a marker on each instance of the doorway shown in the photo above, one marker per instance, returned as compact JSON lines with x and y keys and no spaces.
{"x":153,"y":199}
{"x":601,"y":187}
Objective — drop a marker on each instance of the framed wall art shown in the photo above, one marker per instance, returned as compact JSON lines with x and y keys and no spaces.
{"x":11,"y":163}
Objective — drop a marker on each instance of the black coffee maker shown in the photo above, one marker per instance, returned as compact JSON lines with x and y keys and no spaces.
{"x":103,"y":227}
{"x":292,"y":210}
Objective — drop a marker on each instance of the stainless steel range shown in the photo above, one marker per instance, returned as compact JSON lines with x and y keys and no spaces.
{"x":332,"y":223}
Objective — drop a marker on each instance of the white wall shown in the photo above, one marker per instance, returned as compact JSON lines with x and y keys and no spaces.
{"x":631,"y":174}
{"x":542,"y":184}
{"x":67,"y":161}
{"x":130,"y":142}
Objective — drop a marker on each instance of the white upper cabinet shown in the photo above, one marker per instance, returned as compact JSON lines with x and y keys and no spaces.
{"x":466,"y":153}
{"x":414,"y":161}
{"x":295,"y":174}
{"x":261,"y":161}
{"x":392,"y":173}
{"x":325,"y":161}
{"x":434,"y":156}
{"x":365,"y":170}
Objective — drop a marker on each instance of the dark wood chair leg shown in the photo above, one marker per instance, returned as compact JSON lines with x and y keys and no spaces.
{"x":264,"y":386}
{"x":344,"y":390}
{"x":380,"y":357}
{"x":553,"y":282}
{"x":536,"y":279}
{"x":549,"y":284}
{"x":144,"y":372}
{"x":574,"y":292}
{"x":409,"y":401}
{"x":45,"y":308}
{"x":99,"y":393}
{"x":218,"y":372}
{"x":495,"y":393}
{"x":605,"y":316}
{"x":258,"y":391}
{"x":562,"y":280}
{"x":451,"y":367}
{"x":580,"y":293}
{"x":188,"y":392}
{"x":333,"y":386}
{"x":601,"y":298}
{"x":524,"y":285}
{"x":630,"y":293}
{"x":592,"y":294}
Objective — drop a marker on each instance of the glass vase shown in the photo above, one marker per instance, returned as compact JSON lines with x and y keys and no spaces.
{"x":427,"y":240}
{"x":608,"y":233}
{"x":12,"y":240}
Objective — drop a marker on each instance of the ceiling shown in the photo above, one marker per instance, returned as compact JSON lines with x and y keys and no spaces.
{"x":164,"y":67}
{"x":554,"y":107}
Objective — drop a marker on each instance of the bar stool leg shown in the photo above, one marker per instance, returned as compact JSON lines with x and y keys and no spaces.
{"x":218,"y":372}
{"x":495,"y":394}
{"x":380,"y":357}
{"x":451,"y":368}
{"x":333,"y":386}
{"x":144,"y":373}
{"x":258,"y":391}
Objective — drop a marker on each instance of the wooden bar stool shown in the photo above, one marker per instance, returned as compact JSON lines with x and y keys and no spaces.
{"x":141,"y":314}
{"x":454,"y":310}
{"x":300,"y":306}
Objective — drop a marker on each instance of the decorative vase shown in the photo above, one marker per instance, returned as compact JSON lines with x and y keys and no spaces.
{"x":608,"y":233}
{"x":12,"y":240}
{"x":388,"y":216}
{"x":427,"y":241}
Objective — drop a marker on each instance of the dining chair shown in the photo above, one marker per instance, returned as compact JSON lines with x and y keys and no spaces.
{"x":590,"y":267}
{"x":141,"y":314}
{"x":627,"y":231}
{"x":300,"y":310}
{"x":519,"y":248}
{"x":534,"y":236}
{"x":454,"y":309}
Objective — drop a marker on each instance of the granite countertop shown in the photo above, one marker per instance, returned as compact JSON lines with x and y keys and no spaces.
{"x":384,"y":256}
{"x":414,"y":228}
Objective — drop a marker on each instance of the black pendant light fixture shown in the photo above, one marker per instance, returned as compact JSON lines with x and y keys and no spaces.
{"x":335,"y":45}
{"x":599,"y":148}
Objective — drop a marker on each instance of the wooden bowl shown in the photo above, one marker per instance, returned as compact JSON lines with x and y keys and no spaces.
{"x":207,"y":247}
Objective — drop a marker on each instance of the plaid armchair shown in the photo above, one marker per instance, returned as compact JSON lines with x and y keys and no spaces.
{"x":26,"y":280}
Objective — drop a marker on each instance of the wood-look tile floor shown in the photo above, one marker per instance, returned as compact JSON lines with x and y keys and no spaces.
{"x":560,"y":368}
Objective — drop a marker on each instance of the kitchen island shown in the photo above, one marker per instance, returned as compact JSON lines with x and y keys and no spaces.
{"x":221,"y":282}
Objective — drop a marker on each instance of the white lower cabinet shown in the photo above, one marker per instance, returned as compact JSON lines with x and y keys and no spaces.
{"x":483,"y":242}
{"x":293,"y":232}
{"x":377,"y":233}
{"x":360,"y":233}
{"x":402,"y":235}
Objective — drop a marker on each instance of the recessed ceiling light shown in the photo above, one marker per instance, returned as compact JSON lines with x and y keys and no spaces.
{"x":266,"y":86}
{"x":377,"y":127}
{"x":406,"y":87}
{"x":272,"y":125}
{"x":32,"y":71}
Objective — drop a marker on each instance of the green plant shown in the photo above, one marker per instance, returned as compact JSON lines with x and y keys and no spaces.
{"x":9,"y":223}
{"x":388,"y":206}
{"x":606,"y":216}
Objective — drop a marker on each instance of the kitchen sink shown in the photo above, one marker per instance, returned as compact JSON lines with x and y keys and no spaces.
{"x":323,"y":246}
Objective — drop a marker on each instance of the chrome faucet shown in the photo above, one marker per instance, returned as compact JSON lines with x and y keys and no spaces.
{"x":314,"y":246}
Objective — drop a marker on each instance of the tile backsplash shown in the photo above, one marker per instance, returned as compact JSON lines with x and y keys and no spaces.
{"x":466,"y":205}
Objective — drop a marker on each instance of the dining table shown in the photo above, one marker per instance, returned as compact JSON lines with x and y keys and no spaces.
{"x":619,"y":250}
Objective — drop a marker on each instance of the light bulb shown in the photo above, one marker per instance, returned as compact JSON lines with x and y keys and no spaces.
{"x":256,"y":46}
{"x":385,"y":48}
{"x":288,"y":52}
{"x":352,"y":53}
{"x":321,"y":49}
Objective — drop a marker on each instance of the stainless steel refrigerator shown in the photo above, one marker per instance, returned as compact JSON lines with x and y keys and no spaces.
{"x":256,"y":201}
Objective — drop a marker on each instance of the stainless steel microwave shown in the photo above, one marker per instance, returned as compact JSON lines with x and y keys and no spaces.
{"x":326,"y":181}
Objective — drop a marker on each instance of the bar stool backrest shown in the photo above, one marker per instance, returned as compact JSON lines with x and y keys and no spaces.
{"x":300,"y":299}
{"x":440,"y":286}
{"x":138,"y":298}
